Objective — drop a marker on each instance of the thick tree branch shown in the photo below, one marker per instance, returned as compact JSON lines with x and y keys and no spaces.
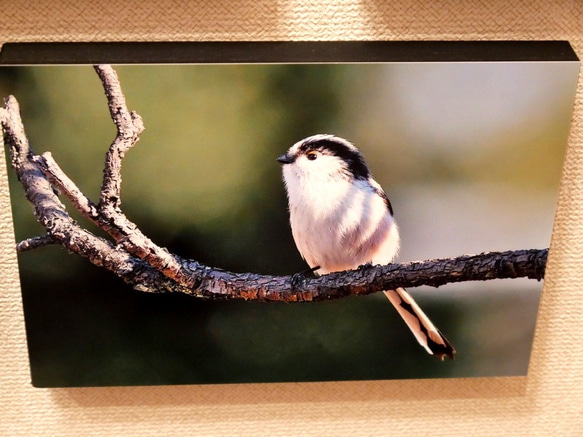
{"x":148,"y":267}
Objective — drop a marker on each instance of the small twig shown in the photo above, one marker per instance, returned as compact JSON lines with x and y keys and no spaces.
{"x":63,"y":183}
{"x":129,"y":127}
{"x":35,"y":242}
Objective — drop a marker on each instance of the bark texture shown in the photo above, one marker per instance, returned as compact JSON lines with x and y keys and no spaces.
{"x":132,"y":256}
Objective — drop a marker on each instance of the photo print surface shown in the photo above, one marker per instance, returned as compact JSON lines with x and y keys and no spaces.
{"x":469,"y":154}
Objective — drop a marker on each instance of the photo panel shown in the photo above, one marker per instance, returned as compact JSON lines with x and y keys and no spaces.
{"x":467,"y":142}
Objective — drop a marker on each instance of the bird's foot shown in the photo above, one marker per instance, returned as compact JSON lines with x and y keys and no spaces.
{"x":298,"y":280}
{"x":364,"y":266}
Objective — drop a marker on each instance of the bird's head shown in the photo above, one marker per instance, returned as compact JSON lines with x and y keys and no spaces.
{"x":323,"y":157}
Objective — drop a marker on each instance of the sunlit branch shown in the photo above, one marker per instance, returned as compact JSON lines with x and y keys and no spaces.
{"x":148,"y":267}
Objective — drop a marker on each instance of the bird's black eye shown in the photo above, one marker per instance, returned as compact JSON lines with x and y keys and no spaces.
{"x":312,"y":156}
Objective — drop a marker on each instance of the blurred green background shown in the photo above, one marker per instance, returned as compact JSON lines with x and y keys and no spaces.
{"x":470,"y":155}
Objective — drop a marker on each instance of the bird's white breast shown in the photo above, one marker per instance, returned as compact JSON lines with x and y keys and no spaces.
{"x":340,"y":224}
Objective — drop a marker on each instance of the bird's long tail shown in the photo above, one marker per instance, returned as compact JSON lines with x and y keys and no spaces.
{"x":425,"y":332}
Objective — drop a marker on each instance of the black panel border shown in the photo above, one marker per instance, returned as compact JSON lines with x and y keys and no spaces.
{"x":254,"y":52}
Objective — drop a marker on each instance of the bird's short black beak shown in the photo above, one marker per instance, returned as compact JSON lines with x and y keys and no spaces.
{"x":285,"y":159}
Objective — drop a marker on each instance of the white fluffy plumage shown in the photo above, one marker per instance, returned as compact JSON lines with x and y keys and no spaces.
{"x":337,"y":222}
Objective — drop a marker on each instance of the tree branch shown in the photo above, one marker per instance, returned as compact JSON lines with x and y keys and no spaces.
{"x":129,"y":127}
{"x":65,"y":185}
{"x":35,"y":242}
{"x":148,"y":267}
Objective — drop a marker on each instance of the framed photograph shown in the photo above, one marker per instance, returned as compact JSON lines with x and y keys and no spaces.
{"x":466,"y":141}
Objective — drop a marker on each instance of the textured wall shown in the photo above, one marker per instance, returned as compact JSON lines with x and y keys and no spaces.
{"x":547,"y":402}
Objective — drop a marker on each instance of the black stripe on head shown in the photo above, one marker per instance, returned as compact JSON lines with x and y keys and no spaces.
{"x":329,"y":144}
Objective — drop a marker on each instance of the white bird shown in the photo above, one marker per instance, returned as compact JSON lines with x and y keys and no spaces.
{"x":341,"y":219}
